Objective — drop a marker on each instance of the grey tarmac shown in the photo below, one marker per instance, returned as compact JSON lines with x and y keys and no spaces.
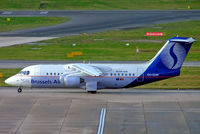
{"x":96,"y":21}
{"x":59,"y":111}
{"x":129,"y":111}
{"x":91,"y":22}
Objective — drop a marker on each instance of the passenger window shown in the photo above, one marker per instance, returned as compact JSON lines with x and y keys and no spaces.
{"x":122,"y":74}
{"x":114,"y":74}
{"x":111,"y":74}
{"x":47,"y":73}
{"x":118,"y":74}
{"x":54,"y":73}
{"x":50,"y":73}
{"x":133,"y":74}
{"x":130,"y":74}
{"x":28,"y":72}
{"x":125,"y":74}
{"x":58,"y":73}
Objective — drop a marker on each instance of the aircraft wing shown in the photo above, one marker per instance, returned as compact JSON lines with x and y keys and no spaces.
{"x":86,"y":69}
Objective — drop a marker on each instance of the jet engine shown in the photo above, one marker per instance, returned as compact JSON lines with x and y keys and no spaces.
{"x":70,"y":81}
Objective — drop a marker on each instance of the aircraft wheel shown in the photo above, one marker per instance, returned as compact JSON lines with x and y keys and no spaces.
{"x":92,"y":92}
{"x":19,"y":90}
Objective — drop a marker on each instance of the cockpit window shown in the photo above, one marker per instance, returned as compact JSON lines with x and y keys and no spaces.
{"x":24,"y":72}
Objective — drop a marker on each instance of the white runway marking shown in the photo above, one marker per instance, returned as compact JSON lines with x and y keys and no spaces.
{"x":6,"y":13}
{"x":9,"y":41}
{"x":102,"y":121}
{"x":44,"y":12}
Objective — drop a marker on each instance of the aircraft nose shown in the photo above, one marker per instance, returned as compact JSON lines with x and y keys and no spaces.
{"x":10,"y":81}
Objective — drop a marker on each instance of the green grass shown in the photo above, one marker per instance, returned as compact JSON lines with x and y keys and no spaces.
{"x":189,"y":79}
{"x":19,"y":23}
{"x":97,"y":4}
{"x":7,"y":73}
{"x":108,"y":45}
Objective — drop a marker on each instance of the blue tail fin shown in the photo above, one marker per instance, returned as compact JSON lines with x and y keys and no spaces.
{"x":169,"y":59}
{"x":167,"y":62}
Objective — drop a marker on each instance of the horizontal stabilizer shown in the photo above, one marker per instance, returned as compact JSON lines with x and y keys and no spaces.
{"x":182,"y":39}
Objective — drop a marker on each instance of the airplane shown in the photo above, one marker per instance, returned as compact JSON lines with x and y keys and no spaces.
{"x":92,"y":77}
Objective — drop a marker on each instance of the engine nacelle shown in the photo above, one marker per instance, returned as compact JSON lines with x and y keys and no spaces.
{"x":70,"y":81}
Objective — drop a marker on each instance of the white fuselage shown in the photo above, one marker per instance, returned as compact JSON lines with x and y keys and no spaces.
{"x":115,"y":76}
{"x":166,"y":63}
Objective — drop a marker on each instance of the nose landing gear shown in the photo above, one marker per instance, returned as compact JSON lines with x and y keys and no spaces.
{"x":19,"y":90}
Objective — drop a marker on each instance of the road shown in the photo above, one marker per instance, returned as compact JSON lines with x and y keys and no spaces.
{"x":90,"y":22}
{"x":128,"y":111}
{"x":96,"y":21}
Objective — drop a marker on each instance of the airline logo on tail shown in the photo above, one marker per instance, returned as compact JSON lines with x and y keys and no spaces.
{"x":173,"y":56}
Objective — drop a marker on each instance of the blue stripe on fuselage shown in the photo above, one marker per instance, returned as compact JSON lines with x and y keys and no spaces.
{"x":150,"y":79}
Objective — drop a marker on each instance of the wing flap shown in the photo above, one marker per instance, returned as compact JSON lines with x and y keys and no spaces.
{"x":86,"y":69}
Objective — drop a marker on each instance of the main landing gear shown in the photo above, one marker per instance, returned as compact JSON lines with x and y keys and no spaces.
{"x":92,"y":92}
{"x":19,"y":90}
